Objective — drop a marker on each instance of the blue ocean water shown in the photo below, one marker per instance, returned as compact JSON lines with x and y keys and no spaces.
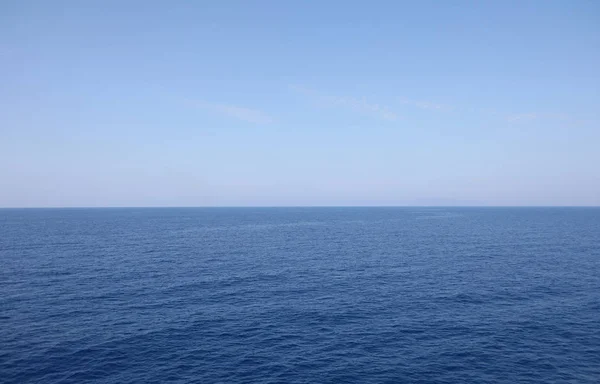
{"x":300,"y":295}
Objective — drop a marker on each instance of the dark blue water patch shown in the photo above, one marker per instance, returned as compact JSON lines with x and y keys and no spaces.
{"x":300,"y":295}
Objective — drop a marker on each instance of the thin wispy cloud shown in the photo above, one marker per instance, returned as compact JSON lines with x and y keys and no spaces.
{"x":347,"y":102}
{"x":249,"y":115}
{"x":531,"y":116}
{"x":520,"y":117}
{"x":426,"y":105}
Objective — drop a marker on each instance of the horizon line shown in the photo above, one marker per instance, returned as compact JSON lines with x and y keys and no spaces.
{"x":301,"y":206}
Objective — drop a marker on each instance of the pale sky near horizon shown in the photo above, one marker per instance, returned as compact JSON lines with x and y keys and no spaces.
{"x":254,"y":103}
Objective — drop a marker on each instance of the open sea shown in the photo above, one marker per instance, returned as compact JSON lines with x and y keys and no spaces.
{"x":300,"y":295}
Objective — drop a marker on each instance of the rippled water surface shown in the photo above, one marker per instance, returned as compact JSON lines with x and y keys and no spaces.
{"x":300,"y":295}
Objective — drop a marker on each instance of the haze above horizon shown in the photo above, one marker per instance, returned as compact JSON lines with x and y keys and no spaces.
{"x":267,"y":103}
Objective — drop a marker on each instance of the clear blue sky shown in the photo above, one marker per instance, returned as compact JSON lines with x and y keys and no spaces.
{"x":204,"y":103}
